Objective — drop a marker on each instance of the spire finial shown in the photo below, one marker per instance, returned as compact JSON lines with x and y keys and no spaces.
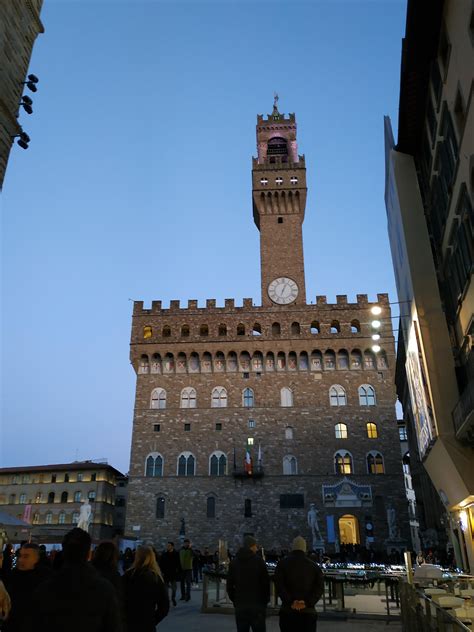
{"x":275,"y":101}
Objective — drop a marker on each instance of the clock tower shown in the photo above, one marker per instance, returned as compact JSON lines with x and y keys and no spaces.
{"x":279,"y":201}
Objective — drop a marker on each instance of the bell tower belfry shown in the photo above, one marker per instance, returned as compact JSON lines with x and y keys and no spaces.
{"x":279,"y":201}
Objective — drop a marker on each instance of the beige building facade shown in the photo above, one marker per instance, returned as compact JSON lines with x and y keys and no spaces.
{"x":272,"y":419}
{"x":49,"y":497}
{"x":20,"y":24}
{"x":429,"y":199}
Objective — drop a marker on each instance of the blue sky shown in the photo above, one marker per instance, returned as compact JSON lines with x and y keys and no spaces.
{"x":137,"y":185}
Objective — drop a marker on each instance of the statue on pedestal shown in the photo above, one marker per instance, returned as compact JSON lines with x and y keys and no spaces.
{"x":85,"y":516}
{"x":317,"y":539}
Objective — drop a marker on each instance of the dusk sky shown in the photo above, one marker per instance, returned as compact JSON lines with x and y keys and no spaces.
{"x":137,"y":185}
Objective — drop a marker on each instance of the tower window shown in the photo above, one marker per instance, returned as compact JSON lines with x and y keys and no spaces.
{"x":218,"y":426}
{"x":277,"y":147}
{"x":294,"y":180}
{"x":264,"y":181}
{"x":187,"y":427}
{"x":278,"y":180}
{"x":280,"y":220}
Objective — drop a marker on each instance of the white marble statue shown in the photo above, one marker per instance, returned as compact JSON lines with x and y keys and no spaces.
{"x":313,"y":523}
{"x":85,"y":516}
{"x":392,"y":523}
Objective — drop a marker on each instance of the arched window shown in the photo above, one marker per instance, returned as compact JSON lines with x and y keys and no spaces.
{"x":281,"y":361}
{"x":382,"y":360}
{"x":286,"y":397}
{"x":156,"y":363}
{"x":77,"y":496}
{"x":241,"y":329}
{"x":158,"y":398}
{"x":366,"y":395}
{"x":288,"y":432}
{"x":248,"y":398}
{"x":51,"y":497}
{"x":276,"y":329}
{"x":289,"y":464}
{"x":75,"y":517}
{"x":166,"y":331}
{"x":292,"y":361}
{"x":194,"y":364}
{"x":341,"y":431}
{"x":64,"y":496}
{"x":181,"y":363}
{"x":186,"y":464}
{"x":277,"y":147}
{"x":188,"y":397}
{"x":295,"y":329}
{"x":337,"y":395}
{"x":154,"y":465}
{"x":204,"y":330}
{"x":147,"y":332}
{"x":144,"y":365}
{"x":356,"y":359}
{"x":232,"y":361}
{"x":315,"y":327}
{"x":247,"y":508}
{"x":222,"y":330}
{"x":342,"y":359}
{"x":369,"y":359}
{"x":160,"y":508}
{"x":185,"y":331}
{"x":206,"y":363}
{"x":329,"y":360}
{"x":62,"y":518}
{"x":316,"y":361}
{"x":375,"y":463}
{"x":343,"y":462}
{"x":335,"y":327}
{"x":218,"y":464}
{"x":355,"y":326}
{"x":303,"y":361}
{"x":168,"y":363}
{"x":211,"y":507}
{"x":219,"y":397}
{"x":257,"y":330}
{"x":372,"y":430}
{"x":257,"y":362}
{"x":49,"y":518}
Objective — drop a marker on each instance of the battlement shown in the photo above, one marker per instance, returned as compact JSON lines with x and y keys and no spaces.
{"x":272,"y":120}
{"x":279,"y":165}
{"x":249,"y":306}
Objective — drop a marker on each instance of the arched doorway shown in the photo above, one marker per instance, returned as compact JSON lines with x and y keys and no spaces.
{"x":349,"y":530}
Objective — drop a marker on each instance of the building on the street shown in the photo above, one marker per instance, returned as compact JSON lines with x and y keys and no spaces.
{"x":271,"y":419}
{"x":21,"y":24}
{"x":49,"y":498}
{"x":429,"y":198}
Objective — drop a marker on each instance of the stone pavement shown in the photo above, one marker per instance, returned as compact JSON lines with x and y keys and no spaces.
{"x":186,"y":617}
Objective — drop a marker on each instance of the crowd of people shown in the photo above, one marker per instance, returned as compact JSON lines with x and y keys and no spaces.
{"x":77,"y":589}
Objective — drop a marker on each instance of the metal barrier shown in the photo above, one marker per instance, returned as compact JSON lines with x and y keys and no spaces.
{"x":422,"y":614}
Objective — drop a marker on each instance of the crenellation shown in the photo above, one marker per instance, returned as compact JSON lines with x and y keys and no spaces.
{"x":362,"y":299}
{"x":156,"y":307}
{"x":229,"y":304}
{"x":192,"y":304}
{"x":210,"y":303}
{"x":247,"y":303}
{"x":341,"y":299}
{"x":383,"y":298}
{"x":174,"y":305}
{"x":321,"y":300}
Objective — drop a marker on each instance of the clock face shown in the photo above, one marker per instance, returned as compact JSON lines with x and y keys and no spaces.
{"x":283,"y":291}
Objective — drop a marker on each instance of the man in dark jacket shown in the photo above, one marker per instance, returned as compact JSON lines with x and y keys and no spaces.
{"x":171,"y":569}
{"x":300,"y":584}
{"x":22,"y":582}
{"x":76,"y":599}
{"x":248,"y":587}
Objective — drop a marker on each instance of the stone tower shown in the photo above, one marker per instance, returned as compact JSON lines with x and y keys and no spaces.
{"x":272,"y":419}
{"x":279,"y":201}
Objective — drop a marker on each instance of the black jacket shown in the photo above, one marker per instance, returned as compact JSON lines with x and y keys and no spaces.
{"x":21,"y":586}
{"x":298,"y":578}
{"x":75,"y":599}
{"x":248,"y":583}
{"x":170,"y":565}
{"x":146,"y":600}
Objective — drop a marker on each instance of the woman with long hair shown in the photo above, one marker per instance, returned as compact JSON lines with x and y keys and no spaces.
{"x":105,"y":561}
{"x":145,"y":595}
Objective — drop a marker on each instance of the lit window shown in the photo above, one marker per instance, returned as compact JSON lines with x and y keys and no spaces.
{"x":341,"y":431}
{"x":375,"y":463}
{"x":250,"y":441}
{"x":372,"y":430}
{"x":147,"y":332}
{"x":343,"y":462}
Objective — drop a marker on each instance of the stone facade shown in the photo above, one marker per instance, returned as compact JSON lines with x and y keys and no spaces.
{"x":289,"y":384}
{"x":21,"y":24}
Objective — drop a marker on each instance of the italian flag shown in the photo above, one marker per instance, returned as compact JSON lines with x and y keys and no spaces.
{"x":248,"y":461}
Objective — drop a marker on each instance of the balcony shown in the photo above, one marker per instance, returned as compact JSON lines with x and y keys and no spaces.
{"x":463,"y":416}
{"x":242,"y":474}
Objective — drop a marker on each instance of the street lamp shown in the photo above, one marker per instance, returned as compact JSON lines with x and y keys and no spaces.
{"x":376,"y":324}
{"x":376,"y":310}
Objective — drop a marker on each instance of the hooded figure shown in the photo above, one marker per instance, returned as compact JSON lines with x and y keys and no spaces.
{"x":248,"y":586}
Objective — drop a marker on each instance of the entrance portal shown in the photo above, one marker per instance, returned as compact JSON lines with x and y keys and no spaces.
{"x":349,"y":530}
